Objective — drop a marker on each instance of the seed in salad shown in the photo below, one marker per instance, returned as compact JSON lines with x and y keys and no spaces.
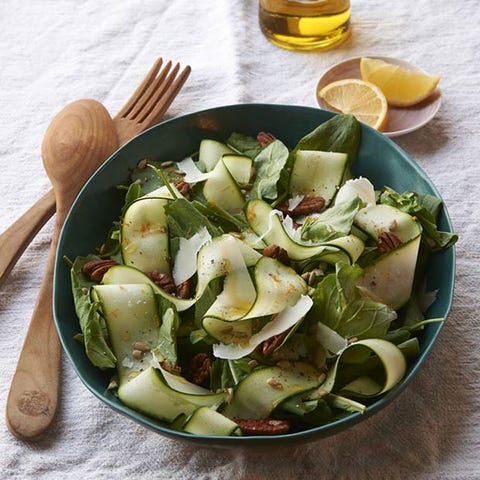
{"x":284,"y":364}
{"x":142,"y":164}
{"x":138,"y":354}
{"x":142,"y":346}
{"x":275,"y":383}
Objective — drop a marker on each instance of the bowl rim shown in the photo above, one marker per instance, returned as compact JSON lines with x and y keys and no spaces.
{"x":303,"y":436}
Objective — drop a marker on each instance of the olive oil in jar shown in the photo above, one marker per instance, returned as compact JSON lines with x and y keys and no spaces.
{"x":305,"y":24}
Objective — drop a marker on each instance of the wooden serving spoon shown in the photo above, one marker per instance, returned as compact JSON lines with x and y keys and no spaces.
{"x":80,"y":137}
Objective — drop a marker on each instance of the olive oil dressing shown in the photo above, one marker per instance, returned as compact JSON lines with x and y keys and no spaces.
{"x":305,"y":24}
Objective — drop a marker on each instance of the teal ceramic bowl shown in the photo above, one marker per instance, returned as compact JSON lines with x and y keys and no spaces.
{"x":378,"y":159}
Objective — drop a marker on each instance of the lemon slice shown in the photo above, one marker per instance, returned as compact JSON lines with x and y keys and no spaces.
{"x":362,"y":99}
{"x":401,"y":87}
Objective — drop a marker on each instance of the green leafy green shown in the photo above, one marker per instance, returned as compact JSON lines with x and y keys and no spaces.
{"x":184,"y":220}
{"x":167,"y":340}
{"x":339,"y":304}
{"x":244,"y":144}
{"x":148,"y":176}
{"x":227,"y":221}
{"x":426,"y":208}
{"x":268,"y":164}
{"x":228,"y":373}
{"x":312,"y":412}
{"x":334,"y":222}
{"x":341,"y":133}
{"x":214,"y":288}
{"x":91,"y":323}
{"x":134,"y":192}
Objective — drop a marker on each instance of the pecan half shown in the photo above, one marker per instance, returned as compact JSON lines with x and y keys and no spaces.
{"x":387,"y":241}
{"x":199,"y":368}
{"x":163,"y":280}
{"x":183,"y":187}
{"x":307,"y":206}
{"x":264,"y":138}
{"x":270,"y":344}
{"x":182,"y":290}
{"x":96,"y":269}
{"x":277,"y":252}
{"x":263,"y":426}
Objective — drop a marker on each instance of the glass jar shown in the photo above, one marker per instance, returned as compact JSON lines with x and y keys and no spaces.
{"x":305,"y":24}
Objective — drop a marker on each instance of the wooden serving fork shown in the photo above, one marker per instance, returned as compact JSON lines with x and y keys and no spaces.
{"x":146,"y":106}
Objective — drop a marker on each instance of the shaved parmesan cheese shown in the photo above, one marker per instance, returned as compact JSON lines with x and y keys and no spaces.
{"x":358,"y":187}
{"x":163,"y":192}
{"x":294,"y":202}
{"x":181,"y":384}
{"x":294,"y":233}
{"x":238,"y":293}
{"x":330,"y":340}
{"x":192,"y":173}
{"x":271,"y":216}
{"x":283,"y":321}
{"x":185,"y":264}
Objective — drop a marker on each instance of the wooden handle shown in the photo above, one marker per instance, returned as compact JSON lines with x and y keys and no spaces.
{"x":32,"y":400}
{"x":18,"y":236}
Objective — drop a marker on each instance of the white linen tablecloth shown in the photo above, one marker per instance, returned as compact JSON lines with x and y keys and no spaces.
{"x":55,"y":51}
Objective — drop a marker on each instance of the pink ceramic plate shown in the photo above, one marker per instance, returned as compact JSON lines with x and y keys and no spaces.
{"x":400,"y":120}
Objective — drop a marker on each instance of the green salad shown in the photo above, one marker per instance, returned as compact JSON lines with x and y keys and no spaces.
{"x":251,"y":289}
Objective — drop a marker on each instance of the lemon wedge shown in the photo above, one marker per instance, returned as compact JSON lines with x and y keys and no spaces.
{"x":362,"y":99}
{"x":401,"y":87}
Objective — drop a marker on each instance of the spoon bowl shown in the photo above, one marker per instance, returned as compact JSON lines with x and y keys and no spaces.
{"x":78,"y":140}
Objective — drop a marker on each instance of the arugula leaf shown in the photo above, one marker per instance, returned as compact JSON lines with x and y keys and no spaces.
{"x":227,"y":221}
{"x":425,"y":208}
{"x":268,"y":164}
{"x":339,"y":304}
{"x":244,"y":144}
{"x":201,"y":336}
{"x":148,"y":177}
{"x":111,"y":247}
{"x":91,"y":323}
{"x":334,"y":222}
{"x":341,"y":133}
{"x":228,"y":373}
{"x":184,"y":220}
{"x":310,"y":411}
{"x":167,"y":340}
{"x":214,"y":288}
{"x":134,"y":192}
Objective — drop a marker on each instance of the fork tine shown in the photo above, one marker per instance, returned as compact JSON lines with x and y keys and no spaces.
{"x":158,"y":94}
{"x":157,"y":108}
{"x":152,"y":73}
{"x":149,"y":92}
